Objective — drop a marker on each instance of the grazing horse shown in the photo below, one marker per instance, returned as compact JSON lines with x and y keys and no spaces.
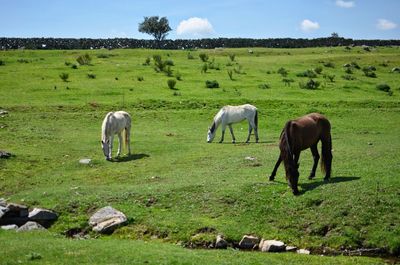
{"x":298,"y":135}
{"x":115,"y":123}
{"x":228,"y":115}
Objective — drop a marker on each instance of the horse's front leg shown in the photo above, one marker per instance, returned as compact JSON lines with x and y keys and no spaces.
{"x":272,"y":177}
{"x":128,"y":139}
{"x":119,"y":144}
{"x":111,"y":147}
{"x":223,"y":132}
{"x":233,"y":136}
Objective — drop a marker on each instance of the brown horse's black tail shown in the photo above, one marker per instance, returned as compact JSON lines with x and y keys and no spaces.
{"x":256,"y":119}
{"x":326,"y":156}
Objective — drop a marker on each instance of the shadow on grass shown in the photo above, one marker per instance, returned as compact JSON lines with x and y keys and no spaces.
{"x":129,"y":158}
{"x":313,"y":185}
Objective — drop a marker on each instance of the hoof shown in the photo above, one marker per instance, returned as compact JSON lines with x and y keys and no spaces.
{"x":108,"y":158}
{"x":271,"y":178}
{"x":234,"y":142}
{"x":311,"y":176}
{"x":296,"y":193}
{"x":326,"y":179}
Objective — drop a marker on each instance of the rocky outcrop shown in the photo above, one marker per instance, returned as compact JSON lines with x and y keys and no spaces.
{"x":249,"y":242}
{"x":271,"y":246}
{"x":106,"y":220}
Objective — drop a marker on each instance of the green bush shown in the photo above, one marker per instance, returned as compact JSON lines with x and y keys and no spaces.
{"x":307,"y":73}
{"x":264,"y":86}
{"x":282,"y":71}
{"x":140,"y":78}
{"x":287,"y":81}
{"x":169,"y":62}
{"x":230,"y":74}
{"x":64,"y":77}
{"x":91,"y":76}
{"x":147,"y":61}
{"x":2,"y":62}
{"x":232,"y":56}
{"x":178,"y":76}
{"x":190,"y":56}
{"x":329,"y":65}
{"x":171,"y":83}
{"x":318,"y":69}
{"x":74,"y":66}
{"x":311,"y":84}
{"x":84,"y":59}
{"x":348,"y":77}
{"x":212,"y":84}
{"x":383,"y":87}
{"x":203,"y":57}
{"x":368,"y":72}
{"x":204,"y":68}
{"x":330,"y":78}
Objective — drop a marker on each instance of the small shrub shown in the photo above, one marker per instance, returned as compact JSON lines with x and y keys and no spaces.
{"x":178,"y":76}
{"x":169,"y":62}
{"x":204,"y":68}
{"x":203,"y":57}
{"x":23,"y":61}
{"x":311,"y":84}
{"x":91,"y":76}
{"x":190,"y":56}
{"x":287,"y":81}
{"x":239,"y":70}
{"x":348,"y":71}
{"x":369,"y":68}
{"x":282,"y":71}
{"x":84,"y":59}
{"x":147,"y":61}
{"x":348,"y":77}
{"x":140,"y":78}
{"x":395,"y":70}
{"x":2,"y":63}
{"x":369,"y":73}
{"x":230,"y":74}
{"x":168,"y":71}
{"x":331,"y":78}
{"x":212,"y":84}
{"x":329,"y":65}
{"x":264,"y":86}
{"x":355,"y":65}
{"x":64,"y":77}
{"x":103,"y":55}
{"x":159,"y":65}
{"x":383,"y":87}
{"x":67,"y":63}
{"x":307,"y":73}
{"x":171,"y":83}
{"x":232,"y":57}
{"x":176,"y":93}
{"x":318,"y":69}
{"x":74,"y":66}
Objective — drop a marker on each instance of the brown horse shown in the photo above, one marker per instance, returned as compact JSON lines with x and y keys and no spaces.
{"x":298,"y":135}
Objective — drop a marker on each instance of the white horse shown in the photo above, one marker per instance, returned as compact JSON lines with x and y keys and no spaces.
{"x":115,"y":123}
{"x":233,"y":114}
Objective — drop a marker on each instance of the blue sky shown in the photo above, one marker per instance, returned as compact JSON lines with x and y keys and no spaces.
{"x":358,"y":19}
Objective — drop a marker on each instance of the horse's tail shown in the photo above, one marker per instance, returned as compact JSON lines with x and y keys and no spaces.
{"x":256,"y":119}
{"x":326,"y":156}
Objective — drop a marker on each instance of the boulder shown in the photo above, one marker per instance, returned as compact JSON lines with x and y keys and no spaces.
{"x":220,"y":242}
{"x":9,"y":227}
{"x":13,"y":213}
{"x":4,"y":154}
{"x":16,"y":210}
{"x":29,"y":226}
{"x":396,"y":70}
{"x":272,"y":246}
{"x":303,"y":251}
{"x":107,"y":219}
{"x":291,"y":249}
{"x":42,"y":216}
{"x":248,"y":242}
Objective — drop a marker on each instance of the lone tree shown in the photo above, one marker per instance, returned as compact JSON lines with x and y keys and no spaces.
{"x":155,"y":26}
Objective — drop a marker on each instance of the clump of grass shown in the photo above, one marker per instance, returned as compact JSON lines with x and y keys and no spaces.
{"x":178,"y":76}
{"x":168,"y":71}
{"x":287,"y":81}
{"x":230,"y":74}
{"x":318,"y":69}
{"x":159,"y":64}
{"x":147,"y":61}
{"x":308,"y":73}
{"x":348,"y":77}
{"x":177,"y":93}
{"x":91,"y":76}
{"x":282,"y":71}
{"x":171,"y":83}
{"x":103,"y":56}
{"x":369,"y":72}
{"x":232,"y":57}
{"x":203,"y":56}
{"x":239,"y":70}
{"x":204,"y":68}
{"x":264,"y":86}
{"x":2,"y":63}
{"x":64,"y":77}
{"x":74,"y":66}
{"x":329,"y":65}
{"x":310,"y":84}
{"x":140,"y":78}
{"x":84,"y":59}
{"x":169,"y":62}
{"x":213,"y":65}
{"x":67,"y":63}
{"x":23,"y":61}
{"x":190,"y":56}
{"x":330,"y":78}
{"x":212,"y":84}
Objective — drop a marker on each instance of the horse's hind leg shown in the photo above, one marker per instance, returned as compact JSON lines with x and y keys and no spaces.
{"x":233,"y":136}
{"x":272,"y":177}
{"x":119,"y":144}
{"x":314,"y":151}
{"x":250,"y":130}
{"x":128,"y":139}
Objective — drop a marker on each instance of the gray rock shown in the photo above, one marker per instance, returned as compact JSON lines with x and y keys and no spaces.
{"x":42,"y":216}
{"x":4,"y":154}
{"x":9,"y":227}
{"x":291,"y":249}
{"x":85,"y":161}
{"x":272,"y":246}
{"x":303,"y":251}
{"x":248,"y":242}
{"x":396,"y":70}
{"x":16,"y":210}
{"x":29,"y":226}
{"x":3,"y":112}
{"x":220,"y":242}
{"x":107,"y":219}
{"x":250,"y":158}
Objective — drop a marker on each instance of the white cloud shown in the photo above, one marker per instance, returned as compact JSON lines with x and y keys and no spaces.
{"x":384,"y":24}
{"x":308,"y":25}
{"x":195,"y":27}
{"x":345,"y":4}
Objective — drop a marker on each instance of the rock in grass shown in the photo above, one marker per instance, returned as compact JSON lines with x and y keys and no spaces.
{"x":85,"y":161}
{"x":4,"y":154}
{"x":291,"y":249}
{"x":248,"y":242}
{"x":42,"y":216}
{"x":272,"y":246}
{"x":303,"y":251}
{"x":220,"y":242}
{"x":29,"y":226}
{"x":9,"y":227}
{"x":106,"y":220}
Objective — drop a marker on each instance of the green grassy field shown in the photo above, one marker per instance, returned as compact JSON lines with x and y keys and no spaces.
{"x":175,"y":184}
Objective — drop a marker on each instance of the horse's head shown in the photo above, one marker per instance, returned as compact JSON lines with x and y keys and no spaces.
{"x":210,"y":135}
{"x":292,"y":174}
{"x":106,"y":148}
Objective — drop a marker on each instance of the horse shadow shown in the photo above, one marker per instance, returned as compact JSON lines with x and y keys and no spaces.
{"x":129,"y":158}
{"x":305,"y":187}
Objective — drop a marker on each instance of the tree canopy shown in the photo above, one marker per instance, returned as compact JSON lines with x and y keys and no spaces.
{"x":155,"y":26}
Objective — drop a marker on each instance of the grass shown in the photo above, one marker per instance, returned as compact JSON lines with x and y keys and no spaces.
{"x":175,"y":184}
